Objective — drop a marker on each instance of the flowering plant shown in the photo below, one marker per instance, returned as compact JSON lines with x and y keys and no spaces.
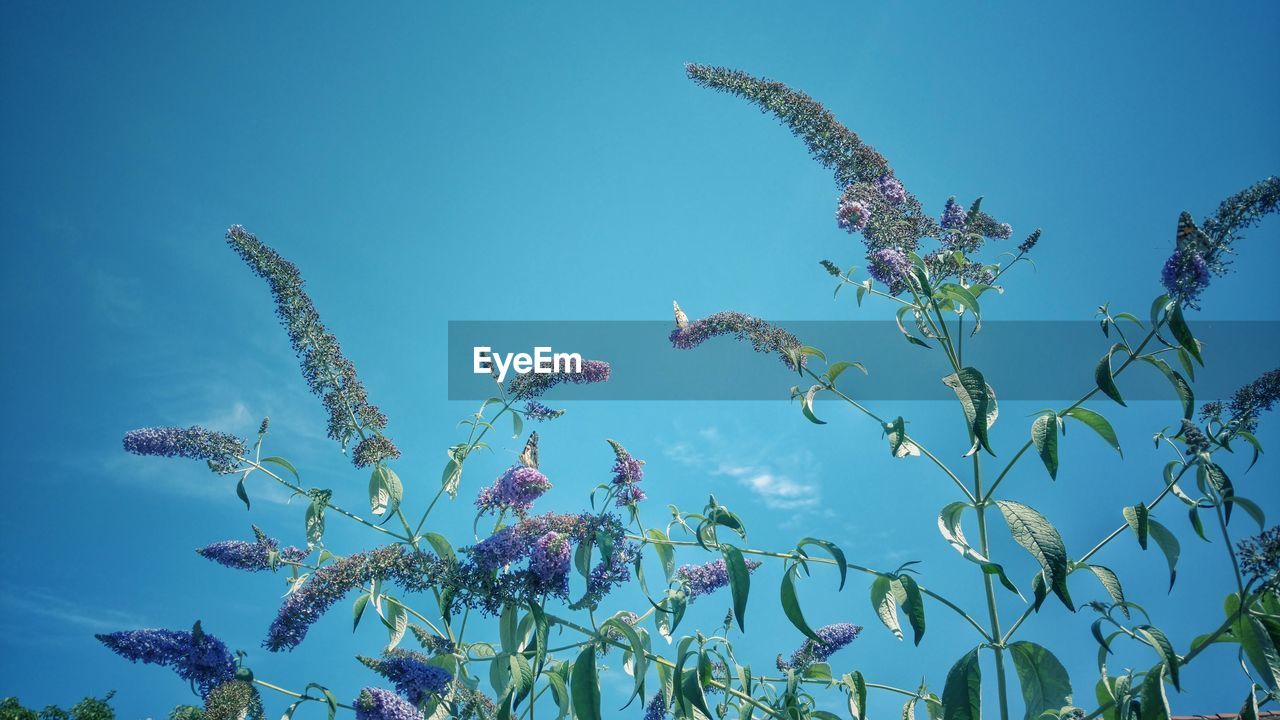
{"x":534,"y":572}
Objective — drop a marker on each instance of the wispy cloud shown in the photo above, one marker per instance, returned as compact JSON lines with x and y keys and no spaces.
{"x":778,"y":479}
{"x":94,"y":618}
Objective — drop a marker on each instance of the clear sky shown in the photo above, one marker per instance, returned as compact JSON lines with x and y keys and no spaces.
{"x":425,"y":163}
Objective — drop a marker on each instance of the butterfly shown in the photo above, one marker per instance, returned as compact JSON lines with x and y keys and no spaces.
{"x":529,"y":457}
{"x":1191,"y":239}
{"x":682,"y":320}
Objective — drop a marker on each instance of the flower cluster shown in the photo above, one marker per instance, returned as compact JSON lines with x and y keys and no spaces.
{"x":834,"y":637}
{"x":831,"y":268}
{"x":1260,"y":555}
{"x":852,"y":215}
{"x":1254,"y":399}
{"x":414,"y":677}
{"x":379,"y":704}
{"x":657,"y":707}
{"x":527,"y":386}
{"x":219,"y":449}
{"x":263,"y":553}
{"x":329,"y":374}
{"x":953,"y":215}
{"x":373,"y":450}
{"x":707,"y":578}
{"x":890,"y":267}
{"x":891,"y":188}
{"x":331,"y":583}
{"x":544,"y":540}
{"x":627,"y":474}
{"x":515,"y":489}
{"x":1026,"y":245}
{"x":763,"y":337}
{"x":534,"y":410}
{"x":1185,"y":275}
{"x":1196,"y":441}
{"x":943,"y":264}
{"x":234,"y":700}
{"x":194,"y":655}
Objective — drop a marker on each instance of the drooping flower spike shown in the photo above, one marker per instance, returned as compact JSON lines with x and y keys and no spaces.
{"x":197,"y":657}
{"x":328,"y":373}
{"x":763,"y":337}
{"x":220,"y":450}
{"x":263,"y":553}
{"x":707,"y":578}
{"x":834,"y":637}
{"x":379,"y":704}
{"x":534,"y":410}
{"x":527,"y":386}
{"x":414,"y":677}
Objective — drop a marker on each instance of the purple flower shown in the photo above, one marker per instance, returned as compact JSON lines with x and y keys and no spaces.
{"x":194,"y":655}
{"x":1253,"y":399}
{"x":328,"y":373}
{"x":834,"y":637}
{"x":219,"y":449}
{"x":1185,"y":276}
{"x":852,"y":215}
{"x":262,"y":554}
{"x":415,"y":678}
{"x":1260,"y":555}
{"x":890,"y":267}
{"x":627,"y":472}
{"x":892,"y":190}
{"x":706,"y":578}
{"x":527,"y":386}
{"x":515,"y":489}
{"x":657,"y":707}
{"x":331,"y":583}
{"x":379,"y":704}
{"x":953,"y":215}
{"x":550,"y":558}
{"x":534,"y":410}
{"x":763,"y":337}
{"x":373,"y":450}
{"x":1026,"y":245}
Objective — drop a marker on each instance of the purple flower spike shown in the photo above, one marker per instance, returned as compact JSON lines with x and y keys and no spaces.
{"x":530,"y":385}
{"x":252,"y":556}
{"x":534,"y":410}
{"x":890,"y":267}
{"x":852,"y":215}
{"x":706,"y":578}
{"x":516,"y":490}
{"x":219,"y":449}
{"x":1185,"y":275}
{"x":834,"y":637}
{"x":194,"y":655}
{"x":415,"y":678}
{"x":763,"y":337}
{"x":379,"y":704}
{"x":550,"y":558}
{"x":891,"y":189}
{"x":953,"y":216}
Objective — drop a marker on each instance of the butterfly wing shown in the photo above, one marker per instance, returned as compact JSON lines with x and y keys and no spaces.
{"x":529,"y":456}
{"x":1190,"y":237}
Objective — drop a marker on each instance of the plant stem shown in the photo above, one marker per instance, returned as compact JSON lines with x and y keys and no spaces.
{"x":302,"y":491}
{"x":300,"y":696}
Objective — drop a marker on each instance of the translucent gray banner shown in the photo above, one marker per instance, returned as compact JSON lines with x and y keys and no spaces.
{"x":1022,"y":360}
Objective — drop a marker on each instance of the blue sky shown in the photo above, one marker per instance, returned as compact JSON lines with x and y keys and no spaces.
{"x":423,"y":164}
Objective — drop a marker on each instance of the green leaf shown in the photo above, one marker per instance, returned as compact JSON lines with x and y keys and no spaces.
{"x":1249,"y":711}
{"x":1182,"y":333}
{"x":691,"y":688}
{"x":1252,"y":508}
{"x":1111,"y":583}
{"x":541,"y":634}
{"x":1037,"y":536}
{"x":242,"y":493}
{"x":439,"y":543}
{"x":637,"y":653}
{"x":1105,"y":378}
{"x":385,"y":490}
{"x":357,"y":610}
{"x":1044,"y":434}
{"x":885,"y":604}
{"x":1257,"y":447}
{"x":1045,"y":684}
{"x":1137,"y":518}
{"x":1168,"y":543}
{"x":949,"y":526}
{"x":837,"y":369}
{"x":1256,"y":642}
{"x":739,"y":582}
{"x":665,"y":554}
{"x":284,"y":464}
{"x":791,"y":604}
{"x":913,"y":605}
{"x":857,"y":695}
{"x":586,"y":686}
{"x":976,"y":400}
{"x":832,"y":549}
{"x":1180,"y":385}
{"x":962,"y":693}
{"x":517,"y":424}
{"x":1155,"y":703}
{"x":899,"y":446}
{"x":1163,"y":648}
{"x":806,"y":405}
{"x":1098,"y":424}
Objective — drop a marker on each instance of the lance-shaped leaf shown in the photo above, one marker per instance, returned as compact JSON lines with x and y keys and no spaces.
{"x":1137,"y":518}
{"x":1037,"y":536}
{"x":1180,"y":385}
{"x":1182,"y":333}
{"x":962,"y":693}
{"x":1104,"y":377}
{"x":791,"y":604}
{"x":1155,"y":702}
{"x":1169,"y":544}
{"x":1098,"y":424}
{"x":977,"y":400}
{"x":585,"y":684}
{"x":1258,"y":644}
{"x":949,"y":526}
{"x":832,"y":549}
{"x":1044,"y":434}
{"x":637,"y":653}
{"x":1045,"y":684}
{"x":1111,"y":583}
{"x":1157,"y":639}
{"x":912,"y":603}
{"x":739,"y":582}
{"x":857,"y":687}
{"x":885,"y":604}
{"x":899,"y":445}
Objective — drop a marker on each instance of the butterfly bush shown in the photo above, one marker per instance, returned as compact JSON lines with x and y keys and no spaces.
{"x":524,"y":610}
